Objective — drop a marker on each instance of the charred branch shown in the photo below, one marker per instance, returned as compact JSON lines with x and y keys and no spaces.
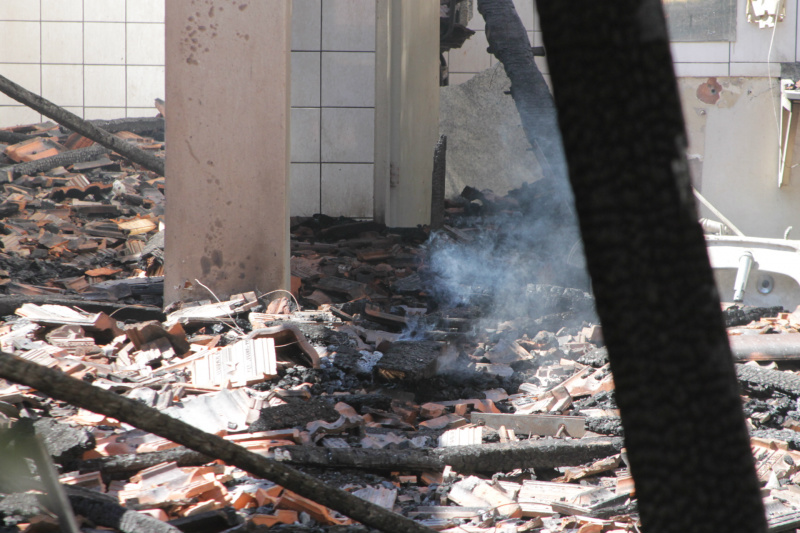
{"x":499,"y":457}
{"x":647,"y":257}
{"x":508,"y":42}
{"x":60,"y":160}
{"x":59,"y":386}
{"x":77,"y":124}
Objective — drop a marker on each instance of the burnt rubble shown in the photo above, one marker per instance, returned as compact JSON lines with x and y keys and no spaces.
{"x":457,"y":377}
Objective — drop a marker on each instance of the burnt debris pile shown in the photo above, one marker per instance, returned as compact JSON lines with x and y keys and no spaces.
{"x":456,"y":378}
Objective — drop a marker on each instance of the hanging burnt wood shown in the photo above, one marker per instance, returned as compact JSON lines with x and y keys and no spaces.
{"x":646,"y":254}
{"x":439,"y":183}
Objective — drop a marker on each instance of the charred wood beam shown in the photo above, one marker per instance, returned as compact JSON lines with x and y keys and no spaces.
{"x":14,"y":138}
{"x":438,"y":183}
{"x":499,"y":457}
{"x":138,"y":125}
{"x":674,"y":374}
{"x":120,"y":466}
{"x":770,"y":380}
{"x":62,"y":387}
{"x":77,"y":124}
{"x":29,"y":168}
{"x":508,"y":42}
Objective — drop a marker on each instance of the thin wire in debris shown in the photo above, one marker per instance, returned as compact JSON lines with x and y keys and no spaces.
{"x":233,"y":320}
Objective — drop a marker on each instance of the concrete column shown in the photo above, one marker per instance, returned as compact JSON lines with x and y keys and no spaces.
{"x":406,"y":109}
{"x":227,"y":92}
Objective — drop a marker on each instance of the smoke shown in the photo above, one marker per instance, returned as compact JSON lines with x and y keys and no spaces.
{"x":531,"y":239}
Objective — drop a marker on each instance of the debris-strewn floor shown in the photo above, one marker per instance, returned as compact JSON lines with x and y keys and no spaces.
{"x":457,"y":377}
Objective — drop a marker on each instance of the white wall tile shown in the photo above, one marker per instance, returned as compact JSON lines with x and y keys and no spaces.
{"x":476,"y":23}
{"x":347,"y":190}
{"x":19,"y":42}
{"x":305,"y":79}
{"x":103,"y":113}
{"x":348,"y":25}
{"x":62,"y":42}
{"x":19,"y":10}
{"x":457,"y":78}
{"x":18,"y":115}
{"x":472,"y":56}
{"x":26,"y":75}
{"x":701,"y":70}
{"x":347,"y":135}
{"x":541,"y":62}
{"x":63,"y":84}
{"x":104,"y":86}
{"x":104,"y":10}
{"x":755,"y":69}
{"x":348,"y":79}
{"x":304,"y":189}
{"x":144,"y":85}
{"x":145,"y":44}
{"x":141,"y":111}
{"x":145,"y":10}
{"x":306,"y":24}
{"x":305,"y":132}
{"x":535,"y":37}
{"x":104,"y":43}
{"x":62,"y":10}
{"x":715,"y":52}
{"x":753,"y":43}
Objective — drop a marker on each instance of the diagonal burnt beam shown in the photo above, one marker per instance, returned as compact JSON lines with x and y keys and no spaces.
{"x":77,"y":124}
{"x":624,"y":139}
{"x":508,"y":42}
{"x":78,"y":393}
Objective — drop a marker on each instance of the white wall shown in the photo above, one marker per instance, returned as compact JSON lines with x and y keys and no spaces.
{"x":733,"y":143}
{"x":105,"y":59}
{"x":97,"y":58}
{"x":333,"y":107}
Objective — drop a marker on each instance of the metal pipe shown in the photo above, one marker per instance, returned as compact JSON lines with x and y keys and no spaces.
{"x":777,"y":347}
{"x":713,"y":227}
{"x":742,"y":274}
{"x":716,"y":212}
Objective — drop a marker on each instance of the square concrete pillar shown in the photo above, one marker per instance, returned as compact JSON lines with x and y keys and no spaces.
{"x":227,"y":92}
{"x":406,"y":109}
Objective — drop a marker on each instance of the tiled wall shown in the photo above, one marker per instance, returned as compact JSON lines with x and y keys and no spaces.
{"x":105,"y":59}
{"x":746,"y":57}
{"x":97,"y":58}
{"x":472,"y":58}
{"x":333,"y":107}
